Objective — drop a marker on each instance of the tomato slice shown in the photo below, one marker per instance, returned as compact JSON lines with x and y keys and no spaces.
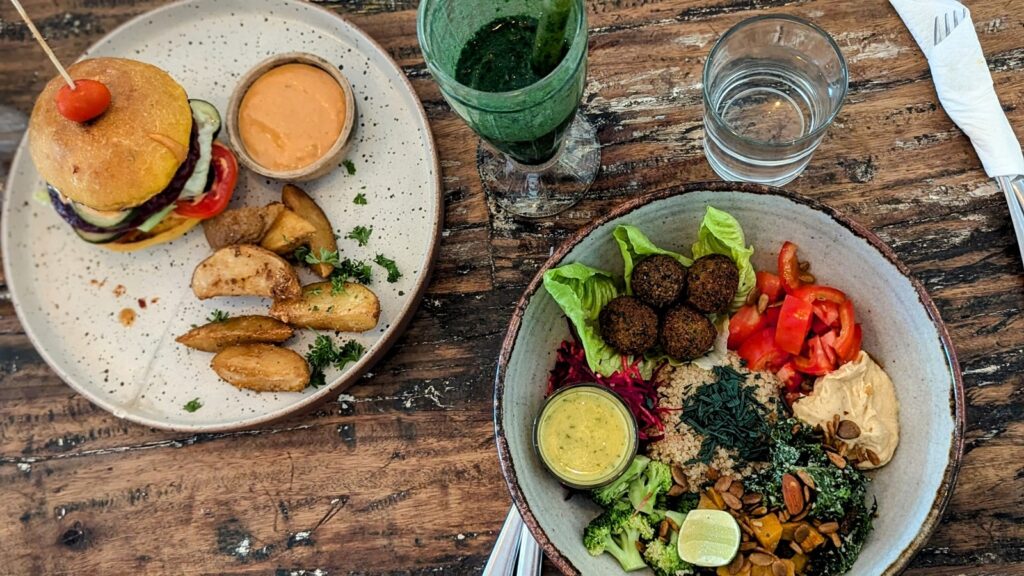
{"x":819,"y":293}
{"x":846,"y":341}
{"x":828,"y":342}
{"x":855,"y":348}
{"x":827,"y":312}
{"x":789,"y":268}
{"x":768,"y":283}
{"x":816,"y":363}
{"x":743,"y":324}
{"x":794,"y":323}
{"x":790,"y":377}
{"x":216,"y":199}
{"x":761,"y":352}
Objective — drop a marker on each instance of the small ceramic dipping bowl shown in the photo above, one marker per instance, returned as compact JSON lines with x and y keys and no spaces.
{"x":322,"y":165}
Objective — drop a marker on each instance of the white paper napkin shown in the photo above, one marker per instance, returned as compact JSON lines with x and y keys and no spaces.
{"x":964,"y":84}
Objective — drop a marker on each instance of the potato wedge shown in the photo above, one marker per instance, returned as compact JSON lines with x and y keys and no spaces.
{"x":287,"y":233}
{"x":216,"y":336}
{"x":262,"y":367}
{"x":245,"y":270}
{"x":246,"y":225}
{"x":323,"y":239}
{"x":357,"y":309}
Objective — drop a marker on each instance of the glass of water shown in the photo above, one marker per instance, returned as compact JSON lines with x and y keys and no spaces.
{"x":772,"y":87}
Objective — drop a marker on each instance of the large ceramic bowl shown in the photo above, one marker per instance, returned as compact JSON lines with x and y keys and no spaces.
{"x":902,"y":330}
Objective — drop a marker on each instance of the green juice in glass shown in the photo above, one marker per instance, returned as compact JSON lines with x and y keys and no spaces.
{"x":519,"y":90}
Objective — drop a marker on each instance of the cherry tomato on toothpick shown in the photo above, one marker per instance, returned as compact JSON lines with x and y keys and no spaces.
{"x":88,"y":100}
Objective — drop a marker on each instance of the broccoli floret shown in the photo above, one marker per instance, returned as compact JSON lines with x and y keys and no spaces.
{"x":645,"y":488}
{"x":617,"y":532}
{"x":664,"y":557}
{"x":608,"y":495}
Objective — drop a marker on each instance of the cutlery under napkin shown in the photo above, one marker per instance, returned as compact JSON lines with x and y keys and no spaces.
{"x":964,"y":85}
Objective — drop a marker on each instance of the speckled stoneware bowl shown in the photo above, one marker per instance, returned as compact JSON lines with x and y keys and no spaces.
{"x":902,"y":330}
{"x":68,"y":294}
{"x":319,"y":167}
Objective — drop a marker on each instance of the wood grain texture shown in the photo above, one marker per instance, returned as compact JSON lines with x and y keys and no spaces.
{"x":400,"y":477}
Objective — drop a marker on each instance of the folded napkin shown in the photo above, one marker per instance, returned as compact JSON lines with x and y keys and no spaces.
{"x":964,"y":84}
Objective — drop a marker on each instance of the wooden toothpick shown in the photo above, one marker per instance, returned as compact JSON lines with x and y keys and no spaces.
{"x":42,"y":42}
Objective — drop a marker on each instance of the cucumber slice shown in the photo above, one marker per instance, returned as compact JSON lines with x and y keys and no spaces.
{"x":101,"y":218}
{"x":97,"y":237}
{"x":208,"y":121}
{"x":155,"y":219}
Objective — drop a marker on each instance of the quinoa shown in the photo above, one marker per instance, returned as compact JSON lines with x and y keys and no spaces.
{"x":681,"y":444}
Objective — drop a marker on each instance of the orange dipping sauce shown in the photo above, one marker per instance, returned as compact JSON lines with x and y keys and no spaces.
{"x":291,"y":116}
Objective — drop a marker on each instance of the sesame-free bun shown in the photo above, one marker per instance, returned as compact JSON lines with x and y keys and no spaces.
{"x":128,"y":154}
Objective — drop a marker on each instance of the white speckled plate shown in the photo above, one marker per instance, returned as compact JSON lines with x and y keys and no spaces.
{"x":902,"y":331}
{"x":69,"y":294}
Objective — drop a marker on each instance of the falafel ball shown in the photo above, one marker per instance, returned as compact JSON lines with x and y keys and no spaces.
{"x":687,"y":334}
{"x":712,"y":283}
{"x":629,"y":325}
{"x":659,"y":280}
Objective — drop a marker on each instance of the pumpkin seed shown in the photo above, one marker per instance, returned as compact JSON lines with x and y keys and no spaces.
{"x":761,"y":559}
{"x":848,"y":430}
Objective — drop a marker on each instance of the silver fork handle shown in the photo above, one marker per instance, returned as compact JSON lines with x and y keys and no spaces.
{"x":503,"y":557}
{"x":1013,"y":189}
{"x":529,"y":563}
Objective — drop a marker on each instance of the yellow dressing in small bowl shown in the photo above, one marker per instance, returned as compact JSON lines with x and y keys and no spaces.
{"x":585,"y":435}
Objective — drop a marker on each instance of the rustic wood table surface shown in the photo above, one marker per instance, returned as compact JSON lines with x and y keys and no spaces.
{"x":402,"y":477}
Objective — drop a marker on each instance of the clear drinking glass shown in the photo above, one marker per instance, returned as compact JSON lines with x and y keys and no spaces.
{"x":539,"y":155}
{"x":772,"y":87}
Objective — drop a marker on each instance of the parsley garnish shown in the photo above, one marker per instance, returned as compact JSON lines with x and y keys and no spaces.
{"x":337,"y":285}
{"x":389,"y":265}
{"x":316,"y":291}
{"x":353,"y":270}
{"x":301,"y":253}
{"x":218,"y":316}
{"x":349,"y":166}
{"x":360,"y":234}
{"x":193,"y":405}
{"x":360,"y":199}
{"x":323,"y":352}
{"x":325,"y":257}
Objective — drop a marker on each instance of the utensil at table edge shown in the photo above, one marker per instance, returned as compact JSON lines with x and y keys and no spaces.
{"x":506,"y":549}
{"x":1011,"y":186}
{"x":529,"y":561}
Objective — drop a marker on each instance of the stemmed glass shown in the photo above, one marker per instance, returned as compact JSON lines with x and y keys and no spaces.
{"x":515,"y":71}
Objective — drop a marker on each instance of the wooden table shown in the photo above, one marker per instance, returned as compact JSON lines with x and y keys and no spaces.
{"x":403,"y":477}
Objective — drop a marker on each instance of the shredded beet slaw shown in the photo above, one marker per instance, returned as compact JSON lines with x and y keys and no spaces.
{"x":640,"y":394}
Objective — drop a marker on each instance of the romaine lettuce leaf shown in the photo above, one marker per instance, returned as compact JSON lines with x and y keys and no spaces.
{"x":582,"y":292}
{"x":720,"y":233}
{"x":634,"y":246}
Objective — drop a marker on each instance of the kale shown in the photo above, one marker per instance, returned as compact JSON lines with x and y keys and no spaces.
{"x":840,"y":494}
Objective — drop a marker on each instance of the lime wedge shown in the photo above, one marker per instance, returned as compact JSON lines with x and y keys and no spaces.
{"x":709,"y":538}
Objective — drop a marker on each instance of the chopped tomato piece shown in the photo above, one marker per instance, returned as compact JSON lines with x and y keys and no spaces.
{"x":768,"y":283}
{"x":847,"y":322}
{"x":745,"y":322}
{"x":827,"y":312}
{"x":761,"y":352}
{"x":789,"y":268}
{"x":790,"y":377}
{"x":855,"y":348}
{"x":818,"y":293}
{"x":818,"y":327}
{"x":794,"y":323}
{"x":828,"y":342}
{"x":816,"y":363}
{"x":215,"y":200}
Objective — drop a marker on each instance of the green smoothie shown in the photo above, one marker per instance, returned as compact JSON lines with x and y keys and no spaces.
{"x":499,"y":58}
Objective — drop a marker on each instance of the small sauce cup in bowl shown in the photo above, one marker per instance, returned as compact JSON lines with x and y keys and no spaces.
{"x":291,"y":117}
{"x":585,"y":435}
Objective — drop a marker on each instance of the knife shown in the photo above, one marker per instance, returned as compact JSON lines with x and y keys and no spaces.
{"x":945,"y":33}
